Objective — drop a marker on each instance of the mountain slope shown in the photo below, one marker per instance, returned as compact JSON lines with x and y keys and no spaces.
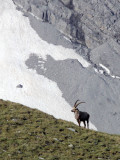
{"x":30,"y":134}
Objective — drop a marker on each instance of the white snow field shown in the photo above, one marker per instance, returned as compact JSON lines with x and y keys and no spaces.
{"x":17,"y":41}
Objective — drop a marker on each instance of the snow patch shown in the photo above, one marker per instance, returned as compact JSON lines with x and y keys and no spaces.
{"x":105,"y":68}
{"x":100,"y":71}
{"x":108,"y":72}
{"x":67,"y":38}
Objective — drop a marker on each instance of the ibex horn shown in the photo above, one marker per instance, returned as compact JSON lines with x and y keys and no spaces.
{"x":78,"y":103}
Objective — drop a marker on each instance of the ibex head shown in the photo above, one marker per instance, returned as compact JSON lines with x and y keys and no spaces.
{"x":75,"y":106}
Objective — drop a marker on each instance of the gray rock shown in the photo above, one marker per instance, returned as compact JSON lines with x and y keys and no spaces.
{"x":19,"y":86}
{"x":66,"y":2}
{"x":70,"y":145}
{"x":90,"y":23}
{"x":41,"y":158}
{"x":55,"y":139}
{"x":107,"y":54}
{"x":71,"y":129}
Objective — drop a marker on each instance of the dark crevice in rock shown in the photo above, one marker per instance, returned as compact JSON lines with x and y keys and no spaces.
{"x":45,"y":16}
{"x":76,"y":28}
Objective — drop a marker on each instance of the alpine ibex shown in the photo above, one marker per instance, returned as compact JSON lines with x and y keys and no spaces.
{"x":80,"y":116}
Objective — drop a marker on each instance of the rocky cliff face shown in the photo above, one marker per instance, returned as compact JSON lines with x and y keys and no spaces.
{"x":89,"y":22}
{"x":92,"y":24}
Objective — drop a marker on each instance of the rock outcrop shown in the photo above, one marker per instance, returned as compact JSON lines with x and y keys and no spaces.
{"x":90,"y":23}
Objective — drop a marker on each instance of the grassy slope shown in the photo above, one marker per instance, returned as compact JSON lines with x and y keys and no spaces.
{"x":30,"y":134}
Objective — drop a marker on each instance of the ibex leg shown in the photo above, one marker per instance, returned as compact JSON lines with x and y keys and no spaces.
{"x":78,"y":122}
{"x":88,"y":124}
{"x":84,"y":124}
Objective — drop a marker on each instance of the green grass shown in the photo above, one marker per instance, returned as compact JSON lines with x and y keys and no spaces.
{"x":28,"y":134}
